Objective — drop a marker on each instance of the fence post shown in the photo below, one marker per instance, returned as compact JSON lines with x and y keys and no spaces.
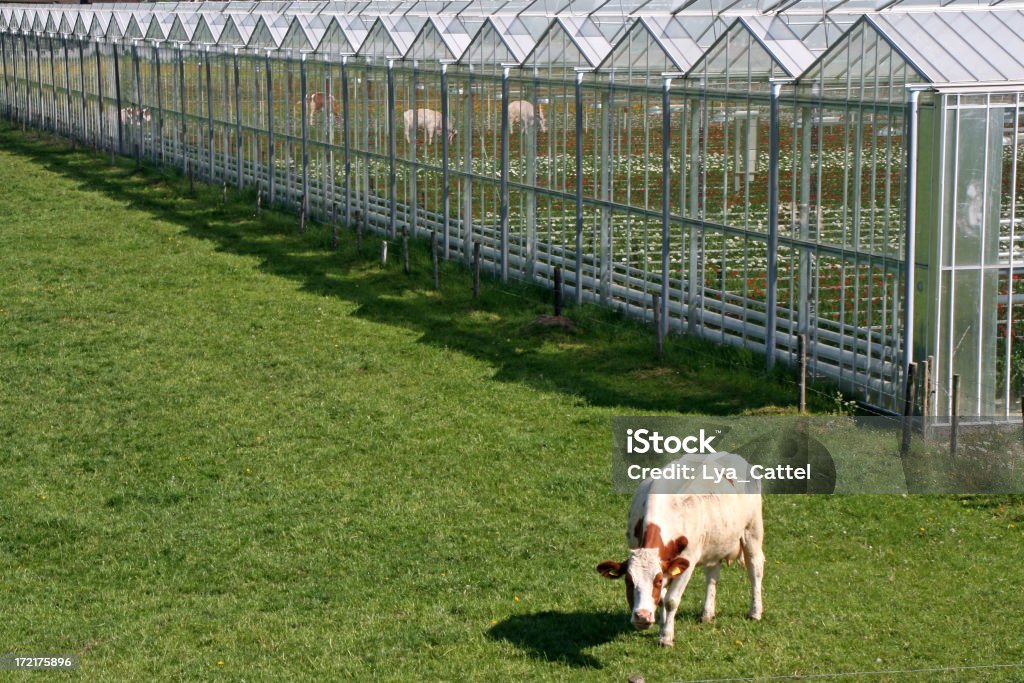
{"x":101,"y":128}
{"x":801,"y":341}
{"x":445,"y":192}
{"x":579,"y":187}
{"x":271,"y":172}
{"x":238,"y":122}
{"x":434,"y":260}
{"x":53,"y":85}
{"x":67,"y":83}
{"x":954,"y":418}
{"x":159,"y":108}
{"x":3,"y":60}
{"x":908,"y":409}
{"x":185,"y":154}
{"x":467,"y":168}
{"x":503,"y":188}
{"x":666,"y":185}
{"x":605,"y":178}
{"x":405,"y":249}
{"x":383,"y":253}
{"x":137,"y":120}
{"x":210,"y":144}
{"x":558,"y":291}
{"x":81,"y":82}
{"x":305,"y":138}
{"x":476,"y":270}
{"x":27,"y":118}
{"x":772,"y":293}
{"x":392,"y":177}
{"x":659,"y":340}
{"x":344,"y":133}
{"x":119,"y":105}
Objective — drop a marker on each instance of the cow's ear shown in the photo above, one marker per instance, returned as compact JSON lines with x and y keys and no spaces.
{"x":677,"y":567}
{"x":611,"y":570}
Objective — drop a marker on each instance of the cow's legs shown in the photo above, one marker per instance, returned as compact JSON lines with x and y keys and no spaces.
{"x":711,"y":574}
{"x":753,"y":555}
{"x":671,"y":606}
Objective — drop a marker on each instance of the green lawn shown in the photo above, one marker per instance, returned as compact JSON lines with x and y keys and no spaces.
{"x":227,"y":452}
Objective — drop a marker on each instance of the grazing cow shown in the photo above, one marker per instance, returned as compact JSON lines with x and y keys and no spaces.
{"x":521,"y":112}
{"x":318,"y":102}
{"x":429,"y":121}
{"x":671,"y":534}
{"x":135,"y":115}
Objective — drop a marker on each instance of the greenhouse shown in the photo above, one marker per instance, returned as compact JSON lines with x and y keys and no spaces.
{"x":841,"y":175}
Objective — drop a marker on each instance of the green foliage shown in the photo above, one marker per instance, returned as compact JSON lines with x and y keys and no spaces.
{"x":228,"y":452}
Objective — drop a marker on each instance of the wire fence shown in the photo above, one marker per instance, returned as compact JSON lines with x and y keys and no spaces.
{"x":752,"y":218}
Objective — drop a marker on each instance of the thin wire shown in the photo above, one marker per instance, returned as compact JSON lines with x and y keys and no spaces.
{"x":804,"y":677}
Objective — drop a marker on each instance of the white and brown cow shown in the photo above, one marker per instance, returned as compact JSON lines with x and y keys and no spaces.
{"x":135,"y":115}
{"x":522,"y":112}
{"x":670,"y":535}
{"x":319,"y":103}
{"x":427,"y":120}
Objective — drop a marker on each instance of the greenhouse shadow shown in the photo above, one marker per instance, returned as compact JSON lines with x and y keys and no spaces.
{"x":610,"y":362}
{"x":562,"y":636}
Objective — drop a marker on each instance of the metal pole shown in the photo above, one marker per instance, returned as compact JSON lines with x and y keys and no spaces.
{"x":605,"y":258}
{"x":910,"y":244}
{"x":445,"y":192}
{"x":99,"y":92}
{"x":666,"y":188}
{"x":305,"y":137}
{"x":773,"y":227}
{"x":67,"y":82}
{"x":117,"y":99}
{"x":954,"y":421}
{"x":159,"y":108}
{"x":238,"y":122}
{"x":345,"y":145}
{"x":503,"y":207}
{"x":392,"y":177}
{"x":184,"y":125}
{"x":579,"y":187}
{"x":271,"y":172}
{"x":3,"y":59}
{"x":209,"y":114}
{"x":138,"y":103}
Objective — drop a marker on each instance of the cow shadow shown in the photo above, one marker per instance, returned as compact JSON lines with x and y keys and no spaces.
{"x":561,"y":636}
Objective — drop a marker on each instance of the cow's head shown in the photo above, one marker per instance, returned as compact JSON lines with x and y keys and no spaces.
{"x":648,"y":573}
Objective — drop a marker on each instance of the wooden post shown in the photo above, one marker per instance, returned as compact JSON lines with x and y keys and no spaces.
{"x":224,"y":189}
{"x":954,"y":418}
{"x":476,"y":270}
{"x":801,"y":354}
{"x":383,"y":253}
{"x":359,"y":232}
{"x":434,"y":260}
{"x":334,"y":225}
{"x":405,"y":250}
{"x":302,"y":214}
{"x":259,"y":197}
{"x":658,"y":339}
{"x":558,"y":291}
{"x":908,"y":408}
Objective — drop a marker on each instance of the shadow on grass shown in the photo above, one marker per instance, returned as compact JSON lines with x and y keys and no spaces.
{"x":609,"y":362}
{"x":562,"y":636}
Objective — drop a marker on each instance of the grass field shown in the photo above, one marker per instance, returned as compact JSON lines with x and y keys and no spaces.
{"x":229,"y":453}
